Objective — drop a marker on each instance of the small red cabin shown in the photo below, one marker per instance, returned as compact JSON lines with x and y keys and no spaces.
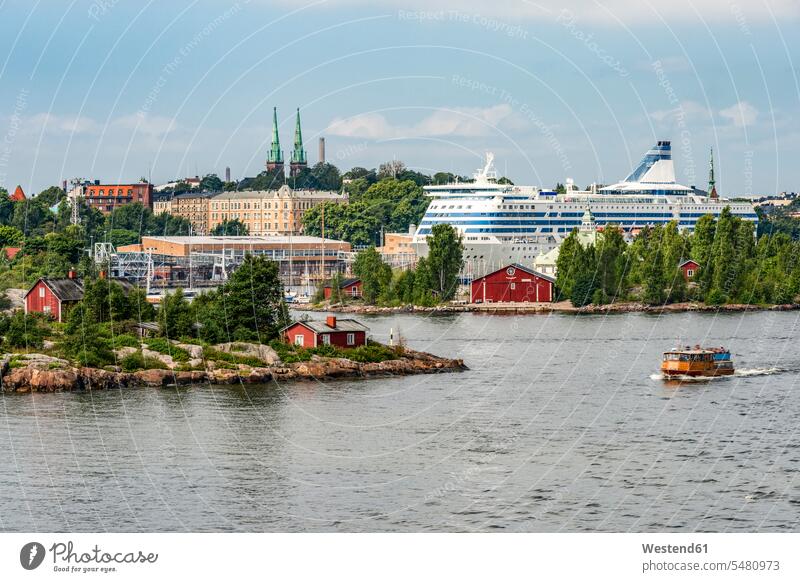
{"x":53,"y":296}
{"x":349,"y":288}
{"x":689,"y":268}
{"x":513,"y":284}
{"x":342,"y":333}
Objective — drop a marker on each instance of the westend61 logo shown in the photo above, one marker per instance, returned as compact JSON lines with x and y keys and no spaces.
{"x":66,"y":559}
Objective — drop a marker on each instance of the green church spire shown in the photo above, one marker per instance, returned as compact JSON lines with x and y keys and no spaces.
{"x":298,"y":154}
{"x":275,"y":156}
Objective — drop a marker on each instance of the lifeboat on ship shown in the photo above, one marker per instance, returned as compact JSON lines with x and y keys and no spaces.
{"x":697,"y":362}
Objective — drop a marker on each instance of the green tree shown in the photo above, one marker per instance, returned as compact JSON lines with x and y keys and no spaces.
{"x":25,"y":331}
{"x":611,"y":262}
{"x":211,"y":183}
{"x":445,"y":259}
{"x":253,"y":300}
{"x":567,"y":264}
{"x":374,"y":273}
{"x":10,"y":236}
{"x":175,"y":316}
{"x":583,"y":289}
{"x":234,"y":227}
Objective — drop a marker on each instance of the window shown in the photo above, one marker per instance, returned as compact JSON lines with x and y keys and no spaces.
{"x":690,"y":272}
{"x":298,"y":340}
{"x":326,"y":339}
{"x":41,"y":291}
{"x":351,"y":339}
{"x":354,"y":291}
{"x":46,"y":309}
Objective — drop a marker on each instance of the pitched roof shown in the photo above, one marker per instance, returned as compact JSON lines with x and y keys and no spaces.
{"x":345,"y":282}
{"x":65,"y":289}
{"x":18,"y":195}
{"x":688,"y":261}
{"x":323,"y":327}
{"x":522,"y":268}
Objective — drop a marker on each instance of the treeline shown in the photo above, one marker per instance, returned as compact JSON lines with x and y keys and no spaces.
{"x":734,"y":267}
{"x":434,"y":279}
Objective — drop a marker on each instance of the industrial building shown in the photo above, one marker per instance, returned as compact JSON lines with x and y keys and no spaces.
{"x":206,"y":261}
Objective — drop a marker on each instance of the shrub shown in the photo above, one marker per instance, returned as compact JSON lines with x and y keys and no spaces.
{"x":163,"y":346}
{"x":136,"y":361}
{"x":218,"y":356}
{"x":126,"y":340}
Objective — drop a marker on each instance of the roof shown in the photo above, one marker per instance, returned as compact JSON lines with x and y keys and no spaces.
{"x":688,"y":261}
{"x":322,"y":327}
{"x":345,"y":282}
{"x":18,"y":195}
{"x":242,"y":240}
{"x":11,"y":252}
{"x":67,"y":289}
{"x":521,"y":268}
{"x":283,"y":192}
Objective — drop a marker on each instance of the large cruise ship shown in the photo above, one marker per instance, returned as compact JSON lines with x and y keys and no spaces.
{"x":503,"y":223}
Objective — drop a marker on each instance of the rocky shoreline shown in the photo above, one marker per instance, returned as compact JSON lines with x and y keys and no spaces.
{"x":544,"y":308}
{"x":42,"y":373}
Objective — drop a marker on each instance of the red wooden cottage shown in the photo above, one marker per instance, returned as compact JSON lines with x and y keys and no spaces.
{"x":689,"y":268}
{"x":514,"y":284}
{"x":54,"y":296}
{"x":349,"y":287}
{"x":342,"y":333}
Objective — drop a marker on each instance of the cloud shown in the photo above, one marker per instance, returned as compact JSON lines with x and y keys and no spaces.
{"x":51,"y":123}
{"x":605,"y":11}
{"x":684,"y":110}
{"x":144,"y":123}
{"x":452,"y":122}
{"x":740,"y":114}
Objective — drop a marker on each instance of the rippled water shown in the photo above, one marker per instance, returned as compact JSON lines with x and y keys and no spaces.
{"x":560,"y":425}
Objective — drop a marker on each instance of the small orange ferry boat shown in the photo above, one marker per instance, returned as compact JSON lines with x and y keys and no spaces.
{"x":697,"y":362}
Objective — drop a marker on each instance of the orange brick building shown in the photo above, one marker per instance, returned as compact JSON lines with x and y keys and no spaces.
{"x":107,"y":197}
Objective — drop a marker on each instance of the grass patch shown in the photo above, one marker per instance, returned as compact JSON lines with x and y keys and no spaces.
{"x":372,"y":352}
{"x":136,"y":361}
{"x":163,"y":346}
{"x":126,"y":340}
{"x":218,"y":356}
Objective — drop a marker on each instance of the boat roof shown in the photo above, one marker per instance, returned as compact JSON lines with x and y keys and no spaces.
{"x":697,"y":351}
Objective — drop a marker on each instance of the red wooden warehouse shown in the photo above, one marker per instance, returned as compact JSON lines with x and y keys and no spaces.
{"x":689,"y":268}
{"x":54,"y":296}
{"x":349,"y":287}
{"x":513,"y":284}
{"x":342,"y":333}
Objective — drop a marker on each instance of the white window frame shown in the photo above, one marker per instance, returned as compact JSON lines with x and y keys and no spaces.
{"x":41,"y":292}
{"x":354,"y":291}
{"x":326,"y":339}
{"x":299,"y":340}
{"x":351,"y":339}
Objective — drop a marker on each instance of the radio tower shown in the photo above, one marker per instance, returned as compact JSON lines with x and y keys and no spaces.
{"x":74,"y":200}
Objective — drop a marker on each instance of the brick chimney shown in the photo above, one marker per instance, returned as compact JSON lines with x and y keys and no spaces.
{"x":102,"y":274}
{"x":71,"y":274}
{"x":331,"y":321}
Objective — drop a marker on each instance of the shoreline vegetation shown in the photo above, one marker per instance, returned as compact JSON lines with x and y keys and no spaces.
{"x":540,"y":308}
{"x":224,"y":364}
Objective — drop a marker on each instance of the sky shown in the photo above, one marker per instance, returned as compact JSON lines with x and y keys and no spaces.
{"x":117,"y":90}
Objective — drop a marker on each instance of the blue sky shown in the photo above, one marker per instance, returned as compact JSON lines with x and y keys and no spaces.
{"x":119,"y":89}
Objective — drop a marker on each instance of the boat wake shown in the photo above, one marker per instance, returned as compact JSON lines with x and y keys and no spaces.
{"x":757,"y":371}
{"x":743,"y":373}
